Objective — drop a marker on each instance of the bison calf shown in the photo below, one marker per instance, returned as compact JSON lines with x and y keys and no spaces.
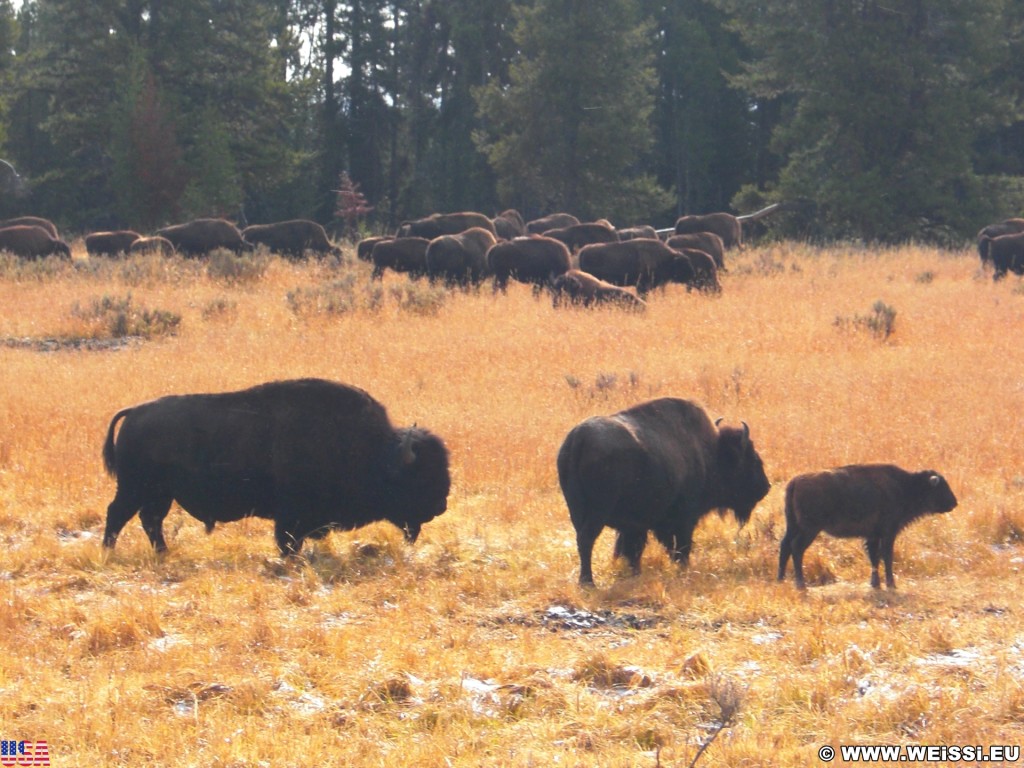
{"x":309,"y":454}
{"x":870,"y":501}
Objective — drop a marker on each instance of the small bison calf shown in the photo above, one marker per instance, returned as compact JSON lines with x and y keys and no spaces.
{"x":873,"y":501}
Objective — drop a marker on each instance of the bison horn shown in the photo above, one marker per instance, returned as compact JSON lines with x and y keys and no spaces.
{"x":934,"y":480}
{"x":405,"y":451}
{"x":719,"y":420}
{"x":746,"y":432}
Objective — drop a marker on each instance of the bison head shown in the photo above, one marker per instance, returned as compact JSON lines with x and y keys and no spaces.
{"x":740,"y":481}
{"x":936,"y":493}
{"x":418,"y":480}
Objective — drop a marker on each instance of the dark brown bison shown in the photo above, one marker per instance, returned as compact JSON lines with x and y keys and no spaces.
{"x":309,"y":454}
{"x":291,"y":238}
{"x":725,"y":225}
{"x":460,"y":259}
{"x":509,"y":224}
{"x":155,"y":244}
{"x":536,"y":260}
{"x":659,"y":466}
{"x":31,"y":242}
{"x":402,"y":254}
{"x":870,"y":501}
{"x":32,"y":221}
{"x":708,"y":242}
{"x":1006,"y":253}
{"x":577,"y":287}
{"x":645,"y":263}
{"x":110,"y":243}
{"x":705,"y":273}
{"x":201,"y":236}
{"x":439,"y":224}
{"x":551,"y":221}
{"x":992,"y":231}
{"x":364,"y":249}
{"x":576,"y":236}
{"x":632,"y":233}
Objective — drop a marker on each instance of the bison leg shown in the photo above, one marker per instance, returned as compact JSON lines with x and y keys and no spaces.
{"x":152,"y":516}
{"x":873,"y":545}
{"x":785,"y":551}
{"x":630,"y":545}
{"x":586,"y":535}
{"x":119,"y":512}
{"x":800,"y":542}
{"x":887,"y":547}
{"x":678,"y":541}
{"x":289,"y":542}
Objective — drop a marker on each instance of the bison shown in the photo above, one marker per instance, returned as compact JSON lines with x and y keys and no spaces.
{"x":364,"y":249}
{"x":460,"y":259}
{"x":509,"y":224}
{"x":536,"y":260}
{"x":110,"y":243}
{"x":708,"y":242}
{"x":1006,"y":253}
{"x":551,"y":221}
{"x":579,"y":287}
{"x":201,"y":236}
{"x":992,"y":231}
{"x":659,"y":466}
{"x":402,"y":254}
{"x":439,"y":224}
{"x":32,"y":221}
{"x":155,"y":244}
{"x":576,"y":236}
{"x":643,"y":262}
{"x":725,"y":225}
{"x":309,"y":454}
{"x":291,"y":238}
{"x":705,"y":273}
{"x":32,"y":242}
{"x":641,"y":230}
{"x":873,"y":501}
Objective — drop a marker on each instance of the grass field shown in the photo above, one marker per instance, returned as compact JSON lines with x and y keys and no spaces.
{"x":475,"y":647}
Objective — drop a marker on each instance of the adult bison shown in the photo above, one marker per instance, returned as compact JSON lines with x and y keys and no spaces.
{"x":578,"y":287}
{"x":551,"y":221}
{"x":364,"y":248}
{"x":1006,"y":253}
{"x":439,"y":224}
{"x":201,"y":236}
{"x":870,"y":501}
{"x":659,"y":466}
{"x":641,"y":230}
{"x":992,"y":231}
{"x":155,"y":244}
{"x":401,"y":254}
{"x":110,"y":243}
{"x":536,"y":260}
{"x":32,"y":221}
{"x":509,"y":224}
{"x":576,"y":236}
{"x":725,"y":225}
{"x":31,"y":242}
{"x":460,"y":259}
{"x":705,"y":272}
{"x":708,"y":242}
{"x":311,"y":455}
{"x":645,"y":263}
{"x":291,"y":238}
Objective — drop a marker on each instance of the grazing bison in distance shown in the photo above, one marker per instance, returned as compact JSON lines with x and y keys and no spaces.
{"x":705,"y":273}
{"x":582,"y":288}
{"x":291,"y":238}
{"x":201,"y":236}
{"x":576,"y":236}
{"x":536,"y":260}
{"x":509,"y":224}
{"x":708,"y":242}
{"x":460,"y":259}
{"x":31,"y":242}
{"x":632,"y":233}
{"x":1006,"y":253}
{"x":992,"y":231}
{"x":32,"y":221}
{"x":155,"y":244}
{"x":402,"y":254}
{"x":110,"y":243}
{"x":551,"y":221}
{"x":439,"y":224}
{"x":309,"y":454}
{"x":725,"y":225}
{"x":644,"y":263}
{"x":364,"y":249}
{"x":659,"y":466}
{"x":873,"y":501}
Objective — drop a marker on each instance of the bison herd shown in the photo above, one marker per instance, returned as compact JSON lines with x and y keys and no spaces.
{"x":314,"y":455}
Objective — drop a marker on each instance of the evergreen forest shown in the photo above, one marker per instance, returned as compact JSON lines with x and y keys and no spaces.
{"x":887,"y":121}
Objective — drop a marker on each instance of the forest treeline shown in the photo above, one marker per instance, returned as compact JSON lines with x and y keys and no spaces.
{"x":885,"y":121}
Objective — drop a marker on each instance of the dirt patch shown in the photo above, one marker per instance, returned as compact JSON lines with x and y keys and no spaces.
{"x":560,"y":618}
{"x":57,"y":344}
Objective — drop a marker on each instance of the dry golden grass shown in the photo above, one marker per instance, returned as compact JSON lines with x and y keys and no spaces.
{"x":453,"y":652}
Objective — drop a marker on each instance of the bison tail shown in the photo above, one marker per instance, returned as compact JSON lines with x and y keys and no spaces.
{"x":109,"y":446}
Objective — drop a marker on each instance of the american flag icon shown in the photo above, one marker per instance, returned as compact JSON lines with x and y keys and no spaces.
{"x":23,"y":753}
